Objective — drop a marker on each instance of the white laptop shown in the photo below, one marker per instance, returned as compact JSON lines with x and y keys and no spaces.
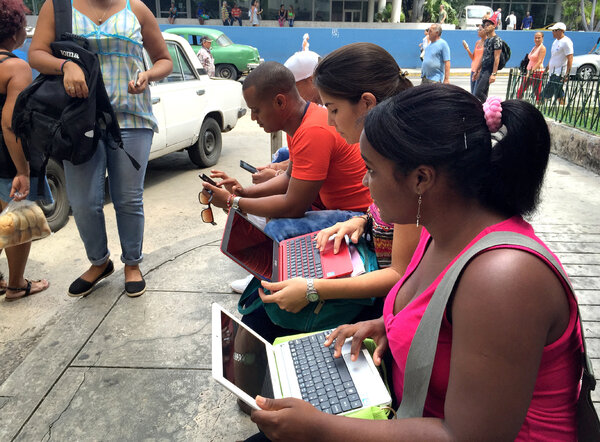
{"x":248,"y":366}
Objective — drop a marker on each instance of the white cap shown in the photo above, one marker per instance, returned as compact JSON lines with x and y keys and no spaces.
{"x":559,"y":25}
{"x":302,"y":64}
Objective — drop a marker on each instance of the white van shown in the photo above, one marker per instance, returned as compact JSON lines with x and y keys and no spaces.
{"x":471,"y":16}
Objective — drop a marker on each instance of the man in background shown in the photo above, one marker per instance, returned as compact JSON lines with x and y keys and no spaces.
{"x":512,"y":21}
{"x":492,"y":48}
{"x":443,"y":15}
{"x":236,"y":14}
{"x":527,"y":22}
{"x":205,"y":56}
{"x":436,"y":59}
{"x":559,"y":66}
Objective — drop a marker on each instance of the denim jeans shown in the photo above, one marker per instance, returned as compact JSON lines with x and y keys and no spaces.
{"x":283,"y":228}
{"x":483,"y":85}
{"x":85,"y":189}
{"x":473,"y":83}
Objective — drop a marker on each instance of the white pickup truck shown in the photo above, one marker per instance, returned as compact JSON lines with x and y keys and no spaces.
{"x":192,"y":110}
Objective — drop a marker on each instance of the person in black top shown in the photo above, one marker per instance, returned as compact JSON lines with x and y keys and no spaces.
{"x":492,"y":47}
{"x":15,"y":75}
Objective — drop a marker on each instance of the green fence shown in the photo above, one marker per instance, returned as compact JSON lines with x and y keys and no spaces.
{"x":579,"y":105}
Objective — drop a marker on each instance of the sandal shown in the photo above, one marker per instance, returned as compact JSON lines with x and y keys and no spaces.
{"x":26,"y":289}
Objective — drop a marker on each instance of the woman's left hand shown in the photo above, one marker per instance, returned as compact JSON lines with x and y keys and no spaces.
{"x":290,"y":295}
{"x":286,"y":419}
{"x":137,"y":87}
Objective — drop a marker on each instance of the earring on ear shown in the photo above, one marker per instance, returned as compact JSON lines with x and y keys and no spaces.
{"x":419,"y":210}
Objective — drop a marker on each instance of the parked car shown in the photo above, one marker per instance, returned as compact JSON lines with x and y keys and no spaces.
{"x":231,"y":60}
{"x":470,"y":17}
{"x":192,"y":110}
{"x":587,"y":66}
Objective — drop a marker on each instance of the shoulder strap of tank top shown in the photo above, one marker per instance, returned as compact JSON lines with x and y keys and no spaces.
{"x":8,"y":55}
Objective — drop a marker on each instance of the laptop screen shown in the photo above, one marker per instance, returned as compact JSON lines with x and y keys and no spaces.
{"x":245,"y":362}
{"x":250,"y":246}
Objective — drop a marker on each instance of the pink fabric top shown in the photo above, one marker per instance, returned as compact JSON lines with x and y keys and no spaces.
{"x":477,"y":54}
{"x":551,"y":414}
{"x":534,"y":58}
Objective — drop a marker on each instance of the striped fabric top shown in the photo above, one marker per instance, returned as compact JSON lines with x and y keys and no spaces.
{"x":118,"y":43}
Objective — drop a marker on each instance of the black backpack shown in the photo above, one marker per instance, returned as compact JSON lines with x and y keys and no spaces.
{"x":504,"y":55}
{"x":51,"y":123}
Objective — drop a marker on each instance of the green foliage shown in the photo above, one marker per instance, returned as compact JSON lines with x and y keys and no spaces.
{"x":386,"y":15}
{"x":572,"y":13}
{"x":431,"y":11}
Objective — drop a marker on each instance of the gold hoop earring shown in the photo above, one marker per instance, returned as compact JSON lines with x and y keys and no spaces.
{"x":419,"y":210}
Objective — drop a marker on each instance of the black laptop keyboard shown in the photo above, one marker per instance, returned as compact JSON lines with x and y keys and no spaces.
{"x":303,"y":258}
{"x":324,"y":381}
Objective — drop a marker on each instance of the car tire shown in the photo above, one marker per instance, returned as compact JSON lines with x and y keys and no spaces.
{"x":207,"y":150}
{"x":228,"y":71}
{"x":586,"y":72}
{"x":57,"y":213}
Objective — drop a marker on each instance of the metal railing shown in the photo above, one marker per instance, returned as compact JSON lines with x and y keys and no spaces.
{"x":578,"y":104}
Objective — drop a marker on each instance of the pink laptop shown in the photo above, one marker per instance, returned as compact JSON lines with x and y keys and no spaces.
{"x":250,"y":247}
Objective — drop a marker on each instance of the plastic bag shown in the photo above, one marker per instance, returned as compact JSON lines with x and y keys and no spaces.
{"x":21,"y":222}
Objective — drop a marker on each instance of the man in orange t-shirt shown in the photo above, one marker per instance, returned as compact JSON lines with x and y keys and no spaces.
{"x":323,"y":166}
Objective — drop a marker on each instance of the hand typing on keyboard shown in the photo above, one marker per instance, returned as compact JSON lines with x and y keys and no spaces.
{"x":374,"y":329}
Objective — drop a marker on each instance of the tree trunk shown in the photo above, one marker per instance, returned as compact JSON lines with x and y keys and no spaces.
{"x":583,"y":19}
{"x":417,"y":11}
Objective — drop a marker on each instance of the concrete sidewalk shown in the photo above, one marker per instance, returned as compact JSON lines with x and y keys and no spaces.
{"x":116,"y":368}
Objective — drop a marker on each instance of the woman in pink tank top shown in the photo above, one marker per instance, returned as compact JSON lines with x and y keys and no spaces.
{"x":476,"y":55}
{"x":535,"y":67}
{"x":508,"y":359}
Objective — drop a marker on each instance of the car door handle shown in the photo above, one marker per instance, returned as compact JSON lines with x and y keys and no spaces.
{"x":156,"y":100}
{"x":200,"y":92}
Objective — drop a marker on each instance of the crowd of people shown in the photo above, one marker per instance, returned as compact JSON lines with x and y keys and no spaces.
{"x":362,"y":160}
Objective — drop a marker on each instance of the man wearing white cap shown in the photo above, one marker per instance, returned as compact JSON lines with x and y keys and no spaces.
{"x":302,"y":64}
{"x":560,"y":63}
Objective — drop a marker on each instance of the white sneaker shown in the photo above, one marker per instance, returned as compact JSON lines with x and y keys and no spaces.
{"x":239,"y":285}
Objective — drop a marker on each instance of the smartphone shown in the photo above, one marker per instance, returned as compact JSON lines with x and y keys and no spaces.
{"x":206,"y":178}
{"x":136,"y":76}
{"x":248,"y":167}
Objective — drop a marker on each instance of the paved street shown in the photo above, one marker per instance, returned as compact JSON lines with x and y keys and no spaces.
{"x":108,"y":367}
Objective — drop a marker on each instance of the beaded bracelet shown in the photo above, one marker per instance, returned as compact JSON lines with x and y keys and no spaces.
{"x":230,"y":200}
{"x":62,"y":66}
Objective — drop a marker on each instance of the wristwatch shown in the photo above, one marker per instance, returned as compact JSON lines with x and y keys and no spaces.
{"x":236,"y":203}
{"x":244,"y":358}
{"x":311,"y":293}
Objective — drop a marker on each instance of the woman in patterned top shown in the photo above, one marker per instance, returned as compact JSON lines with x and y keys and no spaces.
{"x":118,"y":31}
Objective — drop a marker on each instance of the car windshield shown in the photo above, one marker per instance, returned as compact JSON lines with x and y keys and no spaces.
{"x":476,"y":12}
{"x":223,"y":40}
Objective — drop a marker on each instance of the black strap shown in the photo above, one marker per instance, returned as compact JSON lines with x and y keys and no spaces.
{"x":8,"y":55}
{"x":62,"y":18}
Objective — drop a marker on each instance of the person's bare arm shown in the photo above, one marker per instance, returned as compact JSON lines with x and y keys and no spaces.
{"x":154,"y":43}
{"x":290,"y":295}
{"x":19,"y":79}
{"x":508,"y":305}
{"x":447,"y":72}
{"x":541,"y":58}
{"x":497,"y":53}
{"x":569,"y":65}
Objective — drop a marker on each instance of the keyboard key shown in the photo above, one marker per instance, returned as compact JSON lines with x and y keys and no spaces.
{"x":353,"y":397}
{"x":336,"y":409}
{"x":345,"y":404}
{"x":356,"y":404}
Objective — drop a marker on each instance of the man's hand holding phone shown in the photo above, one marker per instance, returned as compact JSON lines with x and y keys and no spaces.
{"x":231,"y":184}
